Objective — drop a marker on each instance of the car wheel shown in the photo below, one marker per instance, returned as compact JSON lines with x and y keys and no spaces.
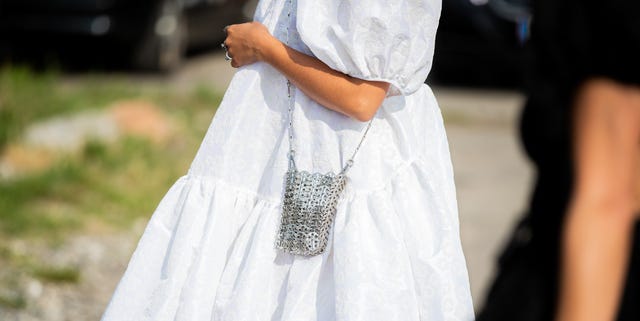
{"x":163,"y":44}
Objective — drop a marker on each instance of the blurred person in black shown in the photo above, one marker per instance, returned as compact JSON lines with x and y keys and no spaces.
{"x":575,"y":256}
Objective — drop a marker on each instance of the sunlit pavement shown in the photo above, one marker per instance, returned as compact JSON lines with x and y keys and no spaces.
{"x":492,"y":175}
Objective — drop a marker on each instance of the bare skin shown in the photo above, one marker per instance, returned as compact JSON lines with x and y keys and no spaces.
{"x":359,"y":99}
{"x":598,"y":233}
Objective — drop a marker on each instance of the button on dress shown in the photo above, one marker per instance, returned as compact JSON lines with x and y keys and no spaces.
{"x":394,"y":253}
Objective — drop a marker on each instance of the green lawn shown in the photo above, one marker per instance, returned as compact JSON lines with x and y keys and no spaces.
{"x":101,"y":188}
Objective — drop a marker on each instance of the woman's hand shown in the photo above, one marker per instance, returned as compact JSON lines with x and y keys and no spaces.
{"x":246,"y":42}
{"x":360,"y":99}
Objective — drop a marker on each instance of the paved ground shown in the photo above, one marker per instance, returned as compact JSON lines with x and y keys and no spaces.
{"x":492,"y":176}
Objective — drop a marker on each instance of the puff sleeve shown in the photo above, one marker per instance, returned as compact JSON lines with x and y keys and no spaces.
{"x":384,"y":40}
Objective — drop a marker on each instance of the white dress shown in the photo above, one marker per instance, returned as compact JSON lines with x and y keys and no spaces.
{"x":394,"y":252}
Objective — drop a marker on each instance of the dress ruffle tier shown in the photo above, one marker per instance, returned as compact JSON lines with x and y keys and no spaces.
{"x":208,"y":254}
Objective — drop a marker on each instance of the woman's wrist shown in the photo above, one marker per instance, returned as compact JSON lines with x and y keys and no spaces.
{"x":268,"y":47}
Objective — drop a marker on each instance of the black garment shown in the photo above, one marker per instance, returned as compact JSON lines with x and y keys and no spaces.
{"x":572,"y":40}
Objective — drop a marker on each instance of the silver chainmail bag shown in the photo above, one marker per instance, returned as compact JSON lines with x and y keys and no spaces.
{"x":310,"y":200}
{"x":309,"y":204}
{"x":308,"y":209}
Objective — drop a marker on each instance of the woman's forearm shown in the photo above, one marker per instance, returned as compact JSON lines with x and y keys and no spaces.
{"x":351,"y":96}
{"x":598,"y":231}
{"x":360,"y":99}
{"x":597,"y":240}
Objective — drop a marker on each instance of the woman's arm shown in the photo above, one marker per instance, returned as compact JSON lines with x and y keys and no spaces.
{"x":598,"y":232}
{"x":356,"y":98}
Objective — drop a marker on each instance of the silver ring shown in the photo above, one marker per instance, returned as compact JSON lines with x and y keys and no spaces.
{"x":226,"y":52}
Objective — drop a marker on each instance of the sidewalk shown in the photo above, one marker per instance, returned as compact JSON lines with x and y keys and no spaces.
{"x":492,"y":175}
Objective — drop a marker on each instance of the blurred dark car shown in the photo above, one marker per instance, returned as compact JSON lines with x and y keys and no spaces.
{"x":481,"y":43}
{"x":150,"y":34}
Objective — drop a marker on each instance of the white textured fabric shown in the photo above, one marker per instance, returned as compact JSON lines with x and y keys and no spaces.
{"x":394,"y":253}
{"x":373,"y":39}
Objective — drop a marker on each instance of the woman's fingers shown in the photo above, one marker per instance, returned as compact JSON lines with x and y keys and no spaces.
{"x":237,"y":59}
{"x":228,"y":45}
{"x":234,"y":46}
{"x":235,"y":64}
{"x":243,"y":42}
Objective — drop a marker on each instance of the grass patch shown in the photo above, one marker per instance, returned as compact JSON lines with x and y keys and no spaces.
{"x":104,"y":185}
{"x":111,"y":183}
{"x":17,"y":213}
{"x":26,"y":96}
{"x":13,"y":300}
{"x":57,"y":274}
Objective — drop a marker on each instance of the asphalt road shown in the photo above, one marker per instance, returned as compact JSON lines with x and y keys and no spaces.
{"x":492,"y":176}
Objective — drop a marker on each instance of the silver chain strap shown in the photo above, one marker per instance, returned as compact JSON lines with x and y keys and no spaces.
{"x":291,"y":98}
